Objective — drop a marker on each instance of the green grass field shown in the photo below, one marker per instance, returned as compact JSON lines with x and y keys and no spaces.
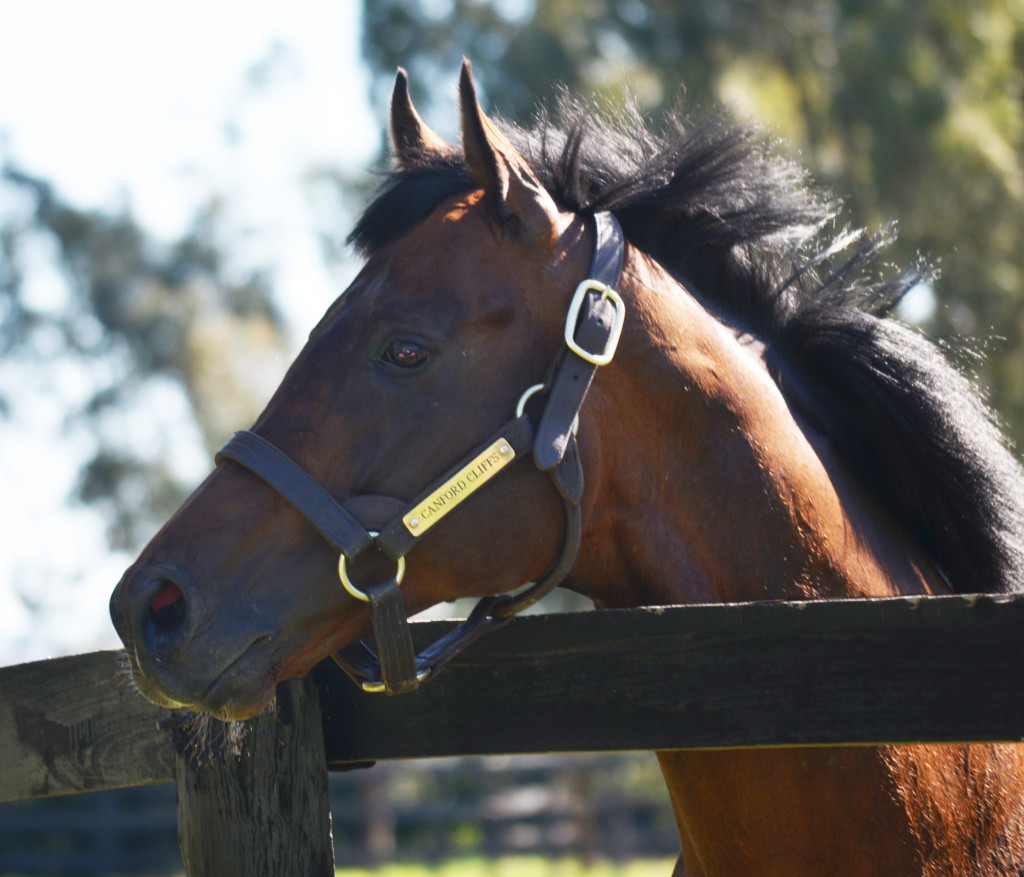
{"x":522,"y":866}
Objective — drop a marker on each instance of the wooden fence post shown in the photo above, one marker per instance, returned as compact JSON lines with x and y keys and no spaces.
{"x":253,"y":798}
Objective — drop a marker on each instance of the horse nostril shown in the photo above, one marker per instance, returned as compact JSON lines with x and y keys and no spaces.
{"x":167,"y":609}
{"x":154,"y":609}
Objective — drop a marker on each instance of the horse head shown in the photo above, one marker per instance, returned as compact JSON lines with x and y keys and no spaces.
{"x":422,"y":359}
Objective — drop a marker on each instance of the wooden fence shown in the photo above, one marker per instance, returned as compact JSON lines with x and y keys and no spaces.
{"x":947,"y":669}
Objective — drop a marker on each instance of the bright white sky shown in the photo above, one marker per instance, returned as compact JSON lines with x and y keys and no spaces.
{"x":121,"y":102}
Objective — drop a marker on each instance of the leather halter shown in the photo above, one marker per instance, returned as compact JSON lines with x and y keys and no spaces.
{"x":392,"y":527}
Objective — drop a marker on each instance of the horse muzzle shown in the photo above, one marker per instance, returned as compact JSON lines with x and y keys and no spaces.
{"x":156,"y":612}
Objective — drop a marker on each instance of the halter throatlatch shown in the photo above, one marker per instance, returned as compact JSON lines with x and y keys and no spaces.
{"x":392,"y":528}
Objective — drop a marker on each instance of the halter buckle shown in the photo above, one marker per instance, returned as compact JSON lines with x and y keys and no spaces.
{"x":609,"y":294}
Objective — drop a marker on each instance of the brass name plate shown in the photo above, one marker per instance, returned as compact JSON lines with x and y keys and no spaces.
{"x":469,"y":478}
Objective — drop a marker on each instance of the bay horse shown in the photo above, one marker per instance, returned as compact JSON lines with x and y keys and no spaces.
{"x":673,"y":315}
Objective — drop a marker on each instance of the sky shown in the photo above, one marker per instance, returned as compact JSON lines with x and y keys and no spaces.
{"x":156,"y":107}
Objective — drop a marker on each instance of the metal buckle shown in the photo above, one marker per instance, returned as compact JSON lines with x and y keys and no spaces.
{"x":347,"y":582}
{"x":574,"y":312}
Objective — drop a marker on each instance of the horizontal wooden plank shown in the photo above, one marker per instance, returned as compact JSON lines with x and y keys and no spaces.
{"x":76,"y":724}
{"x":767,"y":674}
{"x":938,"y":670}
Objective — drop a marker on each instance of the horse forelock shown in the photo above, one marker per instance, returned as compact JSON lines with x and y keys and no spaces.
{"x":719,"y":209}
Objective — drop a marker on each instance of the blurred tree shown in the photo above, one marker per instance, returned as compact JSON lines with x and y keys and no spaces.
{"x":137,"y":320}
{"x":906,"y":111}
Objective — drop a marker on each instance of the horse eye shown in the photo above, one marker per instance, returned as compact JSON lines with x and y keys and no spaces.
{"x":405,"y":354}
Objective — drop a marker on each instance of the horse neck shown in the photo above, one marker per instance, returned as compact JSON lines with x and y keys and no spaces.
{"x":703,"y":484}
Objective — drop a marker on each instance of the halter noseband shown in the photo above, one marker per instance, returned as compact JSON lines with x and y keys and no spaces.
{"x":392,"y":527}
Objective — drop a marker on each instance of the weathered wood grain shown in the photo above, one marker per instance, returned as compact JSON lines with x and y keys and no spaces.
{"x":76,"y":724}
{"x":258,"y":805}
{"x":937,"y":670}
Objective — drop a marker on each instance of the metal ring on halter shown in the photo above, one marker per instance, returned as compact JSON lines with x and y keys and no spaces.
{"x":536,"y":388}
{"x":379,"y":687}
{"x":347,"y":582}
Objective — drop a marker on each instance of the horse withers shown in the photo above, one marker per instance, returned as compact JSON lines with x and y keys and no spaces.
{"x":663,"y":315}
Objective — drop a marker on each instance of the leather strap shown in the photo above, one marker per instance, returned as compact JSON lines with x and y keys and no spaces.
{"x":394,"y":642}
{"x":342,"y":531}
{"x":567,"y":475}
{"x":609,"y":249}
{"x":366,"y":669}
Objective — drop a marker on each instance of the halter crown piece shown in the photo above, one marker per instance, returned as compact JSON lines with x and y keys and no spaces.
{"x":392,"y":527}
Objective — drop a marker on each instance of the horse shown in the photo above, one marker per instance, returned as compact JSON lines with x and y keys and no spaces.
{"x":676,"y":315}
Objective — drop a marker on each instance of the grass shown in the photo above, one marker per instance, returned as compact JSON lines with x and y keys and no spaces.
{"x":519,"y":866}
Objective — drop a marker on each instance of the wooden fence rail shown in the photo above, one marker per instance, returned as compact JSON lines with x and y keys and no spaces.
{"x":944,"y":669}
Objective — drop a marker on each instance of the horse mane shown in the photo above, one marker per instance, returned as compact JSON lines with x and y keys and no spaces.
{"x":742,"y":229}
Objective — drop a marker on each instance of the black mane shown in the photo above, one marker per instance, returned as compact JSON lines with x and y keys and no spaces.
{"x":743,"y":230}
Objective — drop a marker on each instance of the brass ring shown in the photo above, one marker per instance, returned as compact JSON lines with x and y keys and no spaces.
{"x":521,"y":404}
{"x":347,"y":582}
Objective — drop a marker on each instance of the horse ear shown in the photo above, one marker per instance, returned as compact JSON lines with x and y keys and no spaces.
{"x":511,"y":188}
{"x":411,"y":139}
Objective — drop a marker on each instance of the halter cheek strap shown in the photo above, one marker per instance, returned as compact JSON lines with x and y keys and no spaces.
{"x":389,"y":526}
{"x":592,"y":328}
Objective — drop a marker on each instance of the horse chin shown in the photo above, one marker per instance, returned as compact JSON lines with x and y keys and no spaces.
{"x":243,"y":689}
{"x":240,"y":706}
{"x":226,"y":699}
{"x":152,"y":692}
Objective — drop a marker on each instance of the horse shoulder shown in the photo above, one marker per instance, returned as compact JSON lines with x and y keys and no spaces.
{"x":964,"y":805}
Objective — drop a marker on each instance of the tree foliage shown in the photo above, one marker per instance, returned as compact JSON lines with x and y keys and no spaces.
{"x":136,"y":322}
{"x":912,"y":112}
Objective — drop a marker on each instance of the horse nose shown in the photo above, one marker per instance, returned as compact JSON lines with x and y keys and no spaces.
{"x":156,"y":613}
